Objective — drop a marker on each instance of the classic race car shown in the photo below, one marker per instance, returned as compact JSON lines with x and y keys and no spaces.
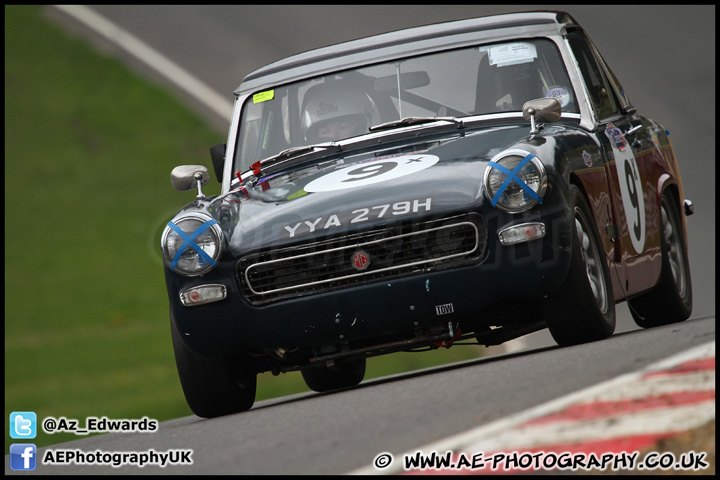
{"x":479,"y":179}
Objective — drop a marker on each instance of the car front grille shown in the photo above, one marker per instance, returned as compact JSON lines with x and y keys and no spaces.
{"x":361,"y":258}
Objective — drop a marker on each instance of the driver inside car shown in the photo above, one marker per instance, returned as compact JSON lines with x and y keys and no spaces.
{"x":335,"y":110}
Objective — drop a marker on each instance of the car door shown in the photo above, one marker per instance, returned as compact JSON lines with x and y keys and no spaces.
{"x":623,"y":137}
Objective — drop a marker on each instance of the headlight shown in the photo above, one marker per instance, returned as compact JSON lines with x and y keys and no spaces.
{"x":191,"y":244}
{"x":515,"y":180}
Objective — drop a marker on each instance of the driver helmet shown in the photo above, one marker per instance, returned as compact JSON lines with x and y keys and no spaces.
{"x":334,"y":111}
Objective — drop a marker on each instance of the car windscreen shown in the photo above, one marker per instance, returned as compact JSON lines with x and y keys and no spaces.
{"x":481,"y":79}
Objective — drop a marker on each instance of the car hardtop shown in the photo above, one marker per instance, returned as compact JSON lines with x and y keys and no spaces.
{"x":407,"y":42}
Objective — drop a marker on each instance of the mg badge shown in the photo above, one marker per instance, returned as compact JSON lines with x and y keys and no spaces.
{"x":360,"y":260}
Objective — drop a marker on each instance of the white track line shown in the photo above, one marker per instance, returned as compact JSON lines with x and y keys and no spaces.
{"x":151,"y":57}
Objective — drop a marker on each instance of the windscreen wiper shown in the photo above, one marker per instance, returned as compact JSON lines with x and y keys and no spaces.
{"x":407,"y":121}
{"x":260,"y":165}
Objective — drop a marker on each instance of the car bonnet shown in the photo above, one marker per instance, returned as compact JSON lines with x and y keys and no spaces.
{"x":350,"y":192}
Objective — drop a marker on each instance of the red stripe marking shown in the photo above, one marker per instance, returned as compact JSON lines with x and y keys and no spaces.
{"x":587,"y":411}
{"x":702,"y":364}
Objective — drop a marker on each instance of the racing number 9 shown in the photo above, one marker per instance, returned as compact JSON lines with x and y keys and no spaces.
{"x":373,"y":171}
{"x":630,"y":176}
{"x":369,"y":171}
{"x":632,"y":197}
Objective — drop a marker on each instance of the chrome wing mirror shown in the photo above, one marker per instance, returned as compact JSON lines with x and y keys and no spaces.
{"x":546,"y":110}
{"x":188,"y":177}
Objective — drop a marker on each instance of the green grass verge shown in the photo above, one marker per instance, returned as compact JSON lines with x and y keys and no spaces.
{"x":88,"y":151}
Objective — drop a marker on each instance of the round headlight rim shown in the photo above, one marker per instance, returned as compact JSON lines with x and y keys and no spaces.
{"x":522,"y":154}
{"x":202,"y":218}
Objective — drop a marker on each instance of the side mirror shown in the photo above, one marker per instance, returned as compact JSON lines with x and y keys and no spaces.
{"x":217,"y":154}
{"x":546,"y":110}
{"x":629,"y":110}
{"x":187,"y":177}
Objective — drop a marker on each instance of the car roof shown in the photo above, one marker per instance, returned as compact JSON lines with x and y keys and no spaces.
{"x":407,"y":42}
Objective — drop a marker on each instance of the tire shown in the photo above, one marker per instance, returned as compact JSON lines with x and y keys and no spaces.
{"x":214,"y":387}
{"x":670,"y":301}
{"x":583,"y":309}
{"x":342,"y":375}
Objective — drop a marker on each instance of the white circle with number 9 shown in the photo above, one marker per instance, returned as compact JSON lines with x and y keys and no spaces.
{"x":631,"y":190}
{"x":375,"y":171}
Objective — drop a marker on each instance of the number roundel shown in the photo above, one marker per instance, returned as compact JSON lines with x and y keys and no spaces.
{"x":368,"y":173}
{"x":631,"y":187}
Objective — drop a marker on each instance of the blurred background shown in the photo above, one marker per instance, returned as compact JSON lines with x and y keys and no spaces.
{"x":92,"y":133}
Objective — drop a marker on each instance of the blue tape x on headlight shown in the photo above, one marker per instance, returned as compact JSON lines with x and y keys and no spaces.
{"x":189,"y":241}
{"x":513,"y":176}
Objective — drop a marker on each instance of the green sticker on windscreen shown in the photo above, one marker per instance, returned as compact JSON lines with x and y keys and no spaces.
{"x":264,"y":96}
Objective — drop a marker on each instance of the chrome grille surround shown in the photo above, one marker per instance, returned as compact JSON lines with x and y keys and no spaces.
{"x":396,"y":251}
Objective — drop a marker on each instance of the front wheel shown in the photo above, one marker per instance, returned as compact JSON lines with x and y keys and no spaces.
{"x":670,"y":301}
{"x":341,"y":375}
{"x":583,"y":309}
{"x":214,"y":387}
